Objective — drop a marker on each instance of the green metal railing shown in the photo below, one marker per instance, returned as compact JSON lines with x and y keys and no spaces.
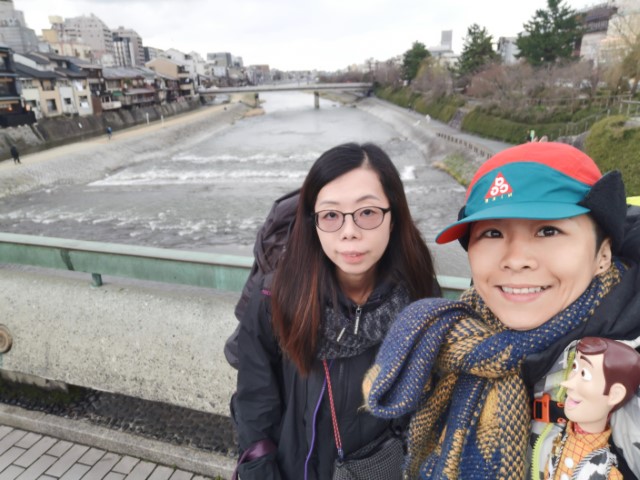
{"x":222,"y":272}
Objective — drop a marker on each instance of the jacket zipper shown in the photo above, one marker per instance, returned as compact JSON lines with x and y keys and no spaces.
{"x":357,"y":324}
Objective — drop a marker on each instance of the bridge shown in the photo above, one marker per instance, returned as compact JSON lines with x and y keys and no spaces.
{"x":140,"y":321}
{"x":316,"y":88}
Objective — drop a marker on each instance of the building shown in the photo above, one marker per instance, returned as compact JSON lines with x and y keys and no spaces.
{"x":52,"y":85}
{"x":131,"y":86}
{"x":128,"y":48}
{"x":93,"y":32}
{"x":13,"y":29}
{"x":444,"y":52}
{"x":12,"y":112}
{"x":507,"y":49}
{"x":611,"y":30}
{"x":151,"y":53}
{"x":220,"y":59}
{"x":63,"y":45}
{"x":172,"y":70}
{"x":595,"y":22}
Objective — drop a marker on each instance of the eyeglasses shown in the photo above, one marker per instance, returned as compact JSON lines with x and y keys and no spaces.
{"x":366,"y":218}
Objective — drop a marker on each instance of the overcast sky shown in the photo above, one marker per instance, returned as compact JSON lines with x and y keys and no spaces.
{"x":296,"y":34}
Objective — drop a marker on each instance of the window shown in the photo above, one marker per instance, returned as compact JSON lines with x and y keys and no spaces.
{"x":51,"y":106}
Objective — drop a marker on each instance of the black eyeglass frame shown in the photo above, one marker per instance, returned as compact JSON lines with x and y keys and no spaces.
{"x":314,"y":216}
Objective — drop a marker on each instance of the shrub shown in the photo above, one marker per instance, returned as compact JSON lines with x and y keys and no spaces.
{"x":614,"y":145}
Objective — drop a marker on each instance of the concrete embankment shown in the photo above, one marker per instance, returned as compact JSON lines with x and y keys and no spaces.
{"x":93,"y":158}
{"x":54,"y":131}
{"x":153,"y":341}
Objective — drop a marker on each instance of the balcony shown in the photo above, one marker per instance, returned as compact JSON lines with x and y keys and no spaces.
{"x":111,"y":105}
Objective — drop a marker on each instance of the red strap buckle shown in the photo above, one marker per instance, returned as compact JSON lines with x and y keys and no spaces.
{"x":541,"y":408}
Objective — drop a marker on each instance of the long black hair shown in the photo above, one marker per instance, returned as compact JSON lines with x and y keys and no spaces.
{"x":305,"y":275}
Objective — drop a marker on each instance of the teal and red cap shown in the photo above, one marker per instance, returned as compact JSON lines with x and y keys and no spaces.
{"x":541,"y":181}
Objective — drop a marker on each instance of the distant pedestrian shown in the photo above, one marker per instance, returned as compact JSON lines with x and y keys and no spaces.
{"x":531,"y":136}
{"x":109,"y":132}
{"x":15,"y":154}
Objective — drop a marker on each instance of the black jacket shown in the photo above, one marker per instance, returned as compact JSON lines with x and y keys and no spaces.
{"x":274,"y":402}
{"x":617,"y":317}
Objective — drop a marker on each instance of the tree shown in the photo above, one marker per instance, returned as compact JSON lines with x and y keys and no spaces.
{"x":412,"y":59}
{"x":550,"y":35}
{"x":477,"y":51}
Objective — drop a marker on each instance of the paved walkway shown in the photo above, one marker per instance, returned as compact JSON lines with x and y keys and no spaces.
{"x":35,"y":445}
{"x":27,"y":455}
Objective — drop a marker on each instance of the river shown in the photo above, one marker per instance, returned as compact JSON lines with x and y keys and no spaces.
{"x":211,"y":191}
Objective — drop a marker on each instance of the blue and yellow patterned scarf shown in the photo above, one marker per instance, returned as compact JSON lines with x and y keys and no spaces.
{"x":457,"y":369}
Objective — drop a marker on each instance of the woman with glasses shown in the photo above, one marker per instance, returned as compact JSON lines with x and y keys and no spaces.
{"x":354,"y":260}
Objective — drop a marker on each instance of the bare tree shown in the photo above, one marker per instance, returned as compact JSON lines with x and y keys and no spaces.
{"x":433,"y":79}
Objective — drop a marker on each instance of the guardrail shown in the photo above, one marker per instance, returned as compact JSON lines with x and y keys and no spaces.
{"x":218,"y":271}
{"x":466,"y":144}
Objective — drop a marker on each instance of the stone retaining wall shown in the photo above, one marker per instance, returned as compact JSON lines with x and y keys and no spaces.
{"x":50,"y":132}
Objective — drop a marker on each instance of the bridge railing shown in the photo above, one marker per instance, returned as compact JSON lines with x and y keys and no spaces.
{"x":202,"y":269}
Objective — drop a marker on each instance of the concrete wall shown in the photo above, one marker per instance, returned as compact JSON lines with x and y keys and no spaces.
{"x":49,"y":132}
{"x":154,"y":341}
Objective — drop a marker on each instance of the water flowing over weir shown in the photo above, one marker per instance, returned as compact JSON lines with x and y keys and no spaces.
{"x":211,"y":191}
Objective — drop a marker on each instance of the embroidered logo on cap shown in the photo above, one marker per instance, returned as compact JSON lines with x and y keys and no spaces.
{"x":499,"y":188}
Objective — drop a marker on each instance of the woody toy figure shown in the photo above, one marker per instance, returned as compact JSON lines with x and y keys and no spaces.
{"x":605,"y":374}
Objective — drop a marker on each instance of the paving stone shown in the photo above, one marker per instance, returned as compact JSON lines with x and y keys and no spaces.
{"x":114,"y":476}
{"x":67,"y":460}
{"x":161,"y":473}
{"x":181,"y":475}
{"x":35,"y":452}
{"x":28,"y":440}
{"x":10,"y":440}
{"x":4,"y":430}
{"x":126,"y":464}
{"x":60,"y":448}
{"x":103,"y":466}
{"x":91,"y":457}
{"x":8,"y":457}
{"x":37,"y":468}
{"x":141,"y":471}
{"x":11,"y":473}
{"x":76,"y":472}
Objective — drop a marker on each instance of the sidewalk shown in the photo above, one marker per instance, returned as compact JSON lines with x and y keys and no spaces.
{"x":36,"y":445}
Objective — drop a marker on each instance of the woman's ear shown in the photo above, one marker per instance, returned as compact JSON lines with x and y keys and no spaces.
{"x":603,"y":257}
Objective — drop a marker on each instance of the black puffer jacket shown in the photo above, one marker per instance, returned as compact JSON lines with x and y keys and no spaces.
{"x":274,"y":402}
{"x":617,"y":317}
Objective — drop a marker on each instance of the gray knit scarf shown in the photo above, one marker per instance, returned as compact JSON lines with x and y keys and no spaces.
{"x":374,"y":324}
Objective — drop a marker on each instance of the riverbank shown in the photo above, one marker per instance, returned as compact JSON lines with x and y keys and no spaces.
{"x":79,"y":160}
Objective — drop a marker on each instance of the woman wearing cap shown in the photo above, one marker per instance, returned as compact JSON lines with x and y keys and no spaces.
{"x":552,"y":261}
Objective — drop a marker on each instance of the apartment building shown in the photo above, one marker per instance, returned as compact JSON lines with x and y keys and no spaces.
{"x":14,"y":32}
{"x":174,"y":70}
{"x":128,"y":48}
{"x":93,"y":32}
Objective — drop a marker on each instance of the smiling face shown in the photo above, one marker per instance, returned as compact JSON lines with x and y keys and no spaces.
{"x":353,"y":250}
{"x":527,"y":271}
{"x":586,"y":404}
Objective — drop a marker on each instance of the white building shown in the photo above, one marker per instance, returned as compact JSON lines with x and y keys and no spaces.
{"x":507,"y":49}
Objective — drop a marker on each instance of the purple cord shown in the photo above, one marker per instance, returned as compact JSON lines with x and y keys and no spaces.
{"x":313,"y":430}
